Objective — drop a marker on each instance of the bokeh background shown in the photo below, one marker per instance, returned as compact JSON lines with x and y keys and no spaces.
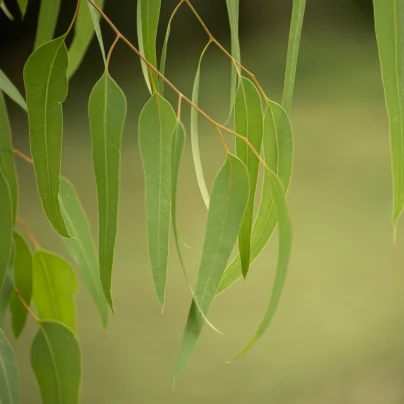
{"x":338,"y":336}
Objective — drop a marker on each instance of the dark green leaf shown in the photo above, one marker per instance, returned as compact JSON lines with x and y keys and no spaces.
{"x":46,"y":87}
{"x":48,"y":16}
{"x":9,"y":88}
{"x":157,"y":122}
{"x":107,"y":111}
{"x":163,"y":60}
{"x":56,"y":360}
{"x":22,"y":4}
{"x":96,"y":23}
{"x":6,"y":288}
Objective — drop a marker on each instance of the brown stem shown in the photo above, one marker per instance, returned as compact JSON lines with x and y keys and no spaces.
{"x":26,"y":306}
{"x":23,"y":156}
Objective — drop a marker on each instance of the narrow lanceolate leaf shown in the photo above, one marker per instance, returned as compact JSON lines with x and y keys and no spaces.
{"x":295,"y":33}
{"x":389,"y":21}
{"x":107,"y":111}
{"x":6,"y":289}
{"x":157,"y":122}
{"x":278,"y":154}
{"x":46,"y":87}
{"x":249,"y":124}
{"x":83,"y":33}
{"x":229,"y":199}
{"x":163,"y":60}
{"x":96,"y":23}
{"x":81,"y":247}
{"x":22,"y":4}
{"x":22,"y":269}
{"x":48,"y":16}
{"x":6,"y":11}
{"x":56,"y":361}
{"x":148,"y":20}
{"x":195,"y":139}
{"x":53,"y":288}
{"x":9,"y":377}
{"x":7,"y":157}
{"x":10,"y":89}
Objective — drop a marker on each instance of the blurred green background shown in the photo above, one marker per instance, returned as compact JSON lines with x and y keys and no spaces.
{"x":338,"y":336}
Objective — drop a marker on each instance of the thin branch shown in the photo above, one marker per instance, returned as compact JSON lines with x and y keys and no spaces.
{"x":23,"y":156}
{"x":26,"y":306}
{"x":110,"y":52}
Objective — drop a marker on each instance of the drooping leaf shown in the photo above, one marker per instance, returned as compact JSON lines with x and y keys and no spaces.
{"x":145,"y":69}
{"x":46,"y":87}
{"x":7,"y":165}
{"x":56,"y":361}
{"x":295,"y":33}
{"x":389,"y":21}
{"x":10,"y":89}
{"x":9,"y":376}
{"x":22,"y":4}
{"x":6,"y":11}
{"x":195,"y":138}
{"x":6,"y":288}
{"x":96,"y":23}
{"x":163,"y":60}
{"x":83,"y":33}
{"x":157,"y":122}
{"x":81,"y":247}
{"x":278,"y":153}
{"x":22,"y":270}
{"x":249,"y":124}
{"x":107,"y":111}
{"x":48,"y":16}
{"x":53,"y":288}
{"x":229,"y":198}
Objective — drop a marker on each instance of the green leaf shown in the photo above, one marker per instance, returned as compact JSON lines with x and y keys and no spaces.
{"x":389,"y":21}
{"x":53,"y":288}
{"x":56,"y":361}
{"x":83,"y":33}
{"x":22,"y":4}
{"x":9,"y":88}
{"x":7,"y":165}
{"x":195,"y":138}
{"x":46,"y":87}
{"x":148,"y":12}
{"x":22,"y":270}
{"x":107,"y":111}
{"x":229,"y":198}
{"x":81,"y":248}
{"x":96,"y":23}
{"x":48,"y":16}
{"x":6,"y":11}
{"x":163,"y":61}
{"x":157,"y":122}
{"x":295,"y":33}
{"x":249,"y":124}
{"x":9,"y":377}
{"x":278,"y":153}
{"x":6,"y":288}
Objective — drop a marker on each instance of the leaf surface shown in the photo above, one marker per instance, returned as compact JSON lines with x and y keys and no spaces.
{"x":48,"y":17}
{"x":10,"y":89}
{"x":97,"y":28}
{"x":22,"y":4}
{"x":163,"y":60}
{"x":6,"y":289}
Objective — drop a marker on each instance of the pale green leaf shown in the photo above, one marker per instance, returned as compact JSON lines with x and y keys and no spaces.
{"x":389,"y":21}
{"x":278,"y":154}
{"x":53,"y":289}
{"x":157,"y":122}
{"x":22,"y":4}
{"x":48,"y":16}
{"x":81,"y":247}
{"x":163,"y":60}
{"x":46,"y":87}
{"x":10,"y":89}
{"x":249,"y":124}
{"x":9,"y":376}
{"x":56,"y":361}
{"x":83,"y":33}
{"x":22,"y":270}
{"x":96,"y":23}
{"x":229,"y":198}
{"x":107,"y":111}
{"x":295,"y":33}
{"x":6,"y":11}
{"x":6,"y":289}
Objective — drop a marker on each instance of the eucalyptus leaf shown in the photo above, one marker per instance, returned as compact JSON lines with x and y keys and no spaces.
{"x":6,"y":289}
{"x":6,"y":11}
{"x":47,"y":20}
{"x":81,"y":247}
{"x":10,"y":89}
{"x":163,"y":60}
{"x":53,"y":288}
{"x":22,"y":4}
{"x":107,"y":111}
{"x":229,"y":199}
{"x":46,"y":87}
{"x":96,"y":23}
{"x":157,"y":122}
{"x":56,"y":361}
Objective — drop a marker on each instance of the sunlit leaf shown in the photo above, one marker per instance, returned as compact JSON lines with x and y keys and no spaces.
{"x":249,"y":124}
{"x":46,"y":87}
{"x":56,"y":361}
{"x":96,"y":23}
{"x":53,"y":288}
{"x":156,"y":126}
{"x":22,"y":270}
{"x":9,"y":376}
{"x":163,"y":60}
{"x":278,"y":153}
{"x":83,"y":33}
{"x":81,"y":247}
{"x":295,"y":33}
{"x":107,"y":111}
{"x":48,"y":16}
{"x":6,"y":289}
{"x":389,"y":21}
{"x":229,"y":198}
{"x":22,"y":4}
{"x":10,"y":89}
